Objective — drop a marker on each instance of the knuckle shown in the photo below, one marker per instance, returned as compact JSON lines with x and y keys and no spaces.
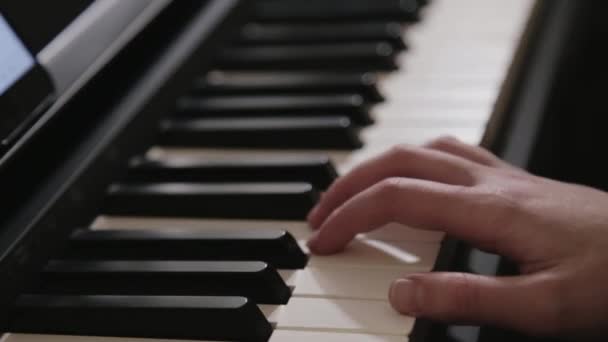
{"x":389,"y":187}
{"x":389,"y":193}
{"x":444,"y":140}
{"x":500,"y":212}
{"x":504,"y":204}
{"x":401,"y":151}
{"x":466,"y":294}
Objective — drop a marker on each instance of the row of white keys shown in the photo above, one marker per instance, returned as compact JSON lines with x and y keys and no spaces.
{"x":448,"y":83}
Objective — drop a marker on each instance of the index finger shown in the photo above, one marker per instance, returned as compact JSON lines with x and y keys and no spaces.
{"x":456,"y":210}
{"x":400,"y":161}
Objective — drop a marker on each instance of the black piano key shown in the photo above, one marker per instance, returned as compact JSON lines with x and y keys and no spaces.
{"x":266,"y":133}
{"x":227,"y":200}
{"x":352,"y":106}
{"x":335,"y":10}
{"x":317,"y":170}
{"x":176,"y":317}
{"x":276,"y":247}
{"x":276,"y":83}
{"x":372,"y":56}
{"x":255,"y":280}
{"x":306,"y":33}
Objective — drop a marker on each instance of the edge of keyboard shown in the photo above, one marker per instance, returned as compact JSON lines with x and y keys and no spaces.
{"x":71,"y":182}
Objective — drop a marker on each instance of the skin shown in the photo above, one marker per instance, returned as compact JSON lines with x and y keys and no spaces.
{"x":556,"y":232}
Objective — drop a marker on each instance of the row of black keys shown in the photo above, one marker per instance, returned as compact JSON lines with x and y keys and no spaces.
{"x":301,"y":106}
{"x":162,"y":284}
{"x":294,"y":35}
{"x":287,"y":110}
{"x":166,"y":283}
{"x":216,"y":262}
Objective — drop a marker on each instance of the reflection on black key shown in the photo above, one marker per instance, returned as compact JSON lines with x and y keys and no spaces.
{"x":379,"y":56}
{"x":275,"y":247}
{"x":317,"y":170}
{"x":333,"y":10}
{"x":307,"y":33}
{"x":229,"y":200}
{"x":284,"y":83}
{"x":178,"y":317}
{"x":252,"y":279}
{"x":352,"y":106}
{"x":266,"y":133}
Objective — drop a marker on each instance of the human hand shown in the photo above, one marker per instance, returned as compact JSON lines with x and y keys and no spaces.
{"x":556,"y":232}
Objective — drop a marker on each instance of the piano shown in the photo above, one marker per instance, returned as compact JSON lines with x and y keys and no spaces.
{"x":158,"y":191}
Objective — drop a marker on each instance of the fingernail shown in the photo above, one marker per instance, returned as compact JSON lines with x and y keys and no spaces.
{"x":312,"y":215}
{"x":402,"y":296}
{"x":312,"y":243}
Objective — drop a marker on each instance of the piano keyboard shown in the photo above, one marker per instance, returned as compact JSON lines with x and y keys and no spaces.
{"x":305,"y":93}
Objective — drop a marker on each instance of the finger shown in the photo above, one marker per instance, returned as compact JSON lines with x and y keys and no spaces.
{"x":402,"y":161}
{"x":476,"y":154}
{"x":423,"y":204}
{"x":522,"y":303}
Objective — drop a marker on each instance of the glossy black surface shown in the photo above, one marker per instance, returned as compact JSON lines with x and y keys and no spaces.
{"x":378,"y":56}
{"x":286,"y":33}
{"x":333,"y":10}
{"x":226,"y":200}
{"x":265,"y":133}
{"x":252,"y":279}
{"x":278,"y":248}
{"x":178,"y":317}
{"x":284,"y":83}
{"x":317,"y":170}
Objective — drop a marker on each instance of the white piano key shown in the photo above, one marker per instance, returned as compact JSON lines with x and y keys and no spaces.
{"x":342,"y":281}
{"x":390,"y":135}
{"x":299,"y":229}
{"x":446,"y":99}
{"x":339,"y":315}
{"x":411,"y":256}
{"x":472,"y":19}
{"x":278,"y":335}
{"x":308,"y":336}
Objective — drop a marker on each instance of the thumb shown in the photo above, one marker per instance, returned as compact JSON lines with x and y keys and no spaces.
{"x":524,"y":303}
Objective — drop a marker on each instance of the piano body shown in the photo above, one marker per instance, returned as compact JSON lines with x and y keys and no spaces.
{"x":162,"y":193}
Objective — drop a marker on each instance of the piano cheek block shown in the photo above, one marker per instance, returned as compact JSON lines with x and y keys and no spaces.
{"x":215,"y":318}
